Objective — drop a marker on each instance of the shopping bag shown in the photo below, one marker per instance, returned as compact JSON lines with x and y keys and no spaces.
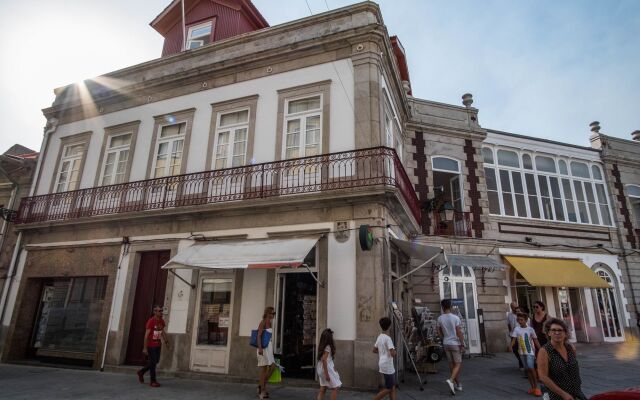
{"x":276,"y":376}
{"x":266,"y":337}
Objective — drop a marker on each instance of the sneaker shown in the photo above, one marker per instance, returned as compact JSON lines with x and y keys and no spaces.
{"x":154,"y":384}
{"x":530,"y":391}
{"x":140,"y":376}
{"x":537,"y":392}
{"x":451,"y":386}
{"x":459,"y":387}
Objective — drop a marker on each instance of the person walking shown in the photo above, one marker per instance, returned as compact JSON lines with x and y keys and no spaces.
{"x":327,"y":374}
{"x":539,"y":319}
{"x":153,"y":337}
{"x":557,"y":364}
{"x":512,"y":323}
{"x":386,"y":352}
{"x":525,"y":339}
{"x":266,"y":360}
{"x":450,"y":330}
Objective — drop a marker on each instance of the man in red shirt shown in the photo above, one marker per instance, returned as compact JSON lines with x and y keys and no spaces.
{"x":153,"y":337}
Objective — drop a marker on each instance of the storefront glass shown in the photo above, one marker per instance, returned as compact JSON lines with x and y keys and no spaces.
{"x":215,"y":312}
{"x":69,"y":316}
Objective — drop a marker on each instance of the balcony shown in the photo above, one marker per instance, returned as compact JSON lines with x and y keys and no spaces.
{"x":460,"y":226}
{"x":328,"y":172}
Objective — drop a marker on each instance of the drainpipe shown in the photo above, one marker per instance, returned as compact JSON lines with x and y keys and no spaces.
{"x":5,"y":225}
{"x":14,"y":191}
{"x":51,"y":126}
{"x":623,"y":252}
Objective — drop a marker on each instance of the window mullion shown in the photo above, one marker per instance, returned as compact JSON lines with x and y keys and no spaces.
{"x":538,"y":192}
{"x":499,"y":187}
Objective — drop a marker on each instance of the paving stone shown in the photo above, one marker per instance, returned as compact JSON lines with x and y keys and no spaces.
{"x":603,"y":368}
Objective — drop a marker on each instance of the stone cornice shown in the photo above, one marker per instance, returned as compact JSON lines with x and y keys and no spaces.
{"x":314,"y":35}
{"x":474,"y":134}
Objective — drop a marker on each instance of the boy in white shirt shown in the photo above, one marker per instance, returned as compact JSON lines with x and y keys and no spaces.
{"x":386,"y":352}
{"x":527,"y":342}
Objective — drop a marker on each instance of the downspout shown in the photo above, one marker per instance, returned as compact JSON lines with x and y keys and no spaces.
{"x":5,"y":225}
{"x":14,"y":191}
{"x":623,"y":253}
{"x":51,"y":127}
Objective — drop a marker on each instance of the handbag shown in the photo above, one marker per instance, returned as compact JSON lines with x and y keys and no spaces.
{"x":266,"y":337}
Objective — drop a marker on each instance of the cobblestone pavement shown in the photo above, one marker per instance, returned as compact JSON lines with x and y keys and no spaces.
{"x":603,"y":368}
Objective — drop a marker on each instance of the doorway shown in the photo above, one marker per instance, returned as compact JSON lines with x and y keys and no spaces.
{"x":211,"y":341}
{"x":608,"y":309}
{"x":150,"y":290}
{"x":459,"y":283}
{"x":295,"y":335}
{"x":68,"y":320}
{"x":571,"y":311}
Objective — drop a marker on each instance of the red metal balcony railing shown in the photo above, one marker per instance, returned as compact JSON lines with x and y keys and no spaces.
{"x":460,"y":226}
{"x":344,"y":170}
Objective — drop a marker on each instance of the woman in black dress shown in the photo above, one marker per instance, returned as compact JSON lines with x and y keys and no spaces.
{"x":557,"y":364}
{"x":539,"y":319}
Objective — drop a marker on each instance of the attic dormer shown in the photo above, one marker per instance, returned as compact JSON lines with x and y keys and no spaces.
{"x":206,"y":21}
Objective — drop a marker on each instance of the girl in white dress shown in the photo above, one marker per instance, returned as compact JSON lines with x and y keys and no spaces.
{"x":266,"y":361}
{"x":327,"y":374}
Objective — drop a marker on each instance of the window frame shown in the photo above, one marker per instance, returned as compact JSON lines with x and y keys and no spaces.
{"x":547,"y":176}
{"x":199,"y":25}
{"x":285,"y":96}
{"x":233,"y":130}
{"x":302,"y":116}
{"x":185,"y":116}
{"x":229,"y":106}
{"x":110,"y":132}
{"x":66,"y":142}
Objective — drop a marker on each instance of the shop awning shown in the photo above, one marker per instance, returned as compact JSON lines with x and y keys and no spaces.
{"x":475,"y":262}
{"x":427,"y":254}
{"x":421,"y":251}
{"x":556,"y":272}
{"x":261,"y":253}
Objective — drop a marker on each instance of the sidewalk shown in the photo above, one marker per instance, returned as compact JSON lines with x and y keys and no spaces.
{"x":603,"y":368}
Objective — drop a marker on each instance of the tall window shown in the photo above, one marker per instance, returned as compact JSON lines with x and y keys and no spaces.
{"x":69,"y":173}
{"x":446,"y":177}
{"x":115,"y":159}
{"x":302,"y":127}
{"x":169,"y":151}
{"x":231,"y":139}
{"x":545,"y":187}
{"x":634,"y":196}
{"x":199,"y":35}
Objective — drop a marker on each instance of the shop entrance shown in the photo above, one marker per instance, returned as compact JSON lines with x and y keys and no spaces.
{"x":68,"y":320}
{"x":570,"y":302}
{"x":295,"y":324}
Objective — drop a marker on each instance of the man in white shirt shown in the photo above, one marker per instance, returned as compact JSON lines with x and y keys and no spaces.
{"x":450,"y":330}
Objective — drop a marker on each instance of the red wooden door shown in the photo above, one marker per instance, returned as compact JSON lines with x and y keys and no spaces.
{"x":150,"y":290}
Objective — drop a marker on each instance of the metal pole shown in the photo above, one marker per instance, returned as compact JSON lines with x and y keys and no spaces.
{"x":125,"y":251}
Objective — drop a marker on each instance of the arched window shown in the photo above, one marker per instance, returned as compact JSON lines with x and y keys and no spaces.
{"x":608,"y":308}
{"x":445,"y":164}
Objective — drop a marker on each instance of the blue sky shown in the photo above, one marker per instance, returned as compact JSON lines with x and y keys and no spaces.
{"x":541,"y":68}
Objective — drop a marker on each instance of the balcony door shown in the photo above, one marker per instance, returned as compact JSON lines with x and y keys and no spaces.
{"x":228,"y":181}
{"x":302,"y":138}
{"x":167,"y":163}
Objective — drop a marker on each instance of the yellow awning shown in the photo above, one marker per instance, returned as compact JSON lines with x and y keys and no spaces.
{"x":556,"y":272}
